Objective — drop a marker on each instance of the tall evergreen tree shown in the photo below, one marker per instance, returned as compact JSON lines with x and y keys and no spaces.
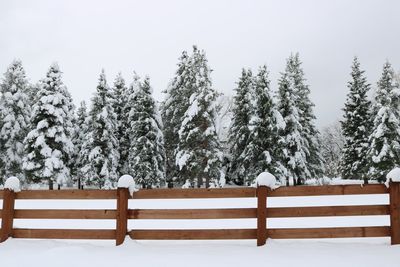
{"x":315,"y":162}
{"x":198,"y":153}
{"x":100,"y":147}
{"x":81,"y":131}
{"x":172,"y":111}
{"x":120,"y":101}
{"x":146,"y":153}
{"x":295,"y":145}
{"x":48,"y":145}
{"x":384,"y":151}
{"x":264,"y":146}
{"x":239,"y":132}
{"x":14,"y":120}
{"x":356,"y":126}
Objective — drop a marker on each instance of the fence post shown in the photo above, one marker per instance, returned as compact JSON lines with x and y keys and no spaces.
{"x":122,"y":215}
{"x":7,"y":214}
{"x":394,"y":191}
{"x":261,"y":215}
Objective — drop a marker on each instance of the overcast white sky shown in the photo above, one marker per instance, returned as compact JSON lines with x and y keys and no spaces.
{"x":148,"y":37}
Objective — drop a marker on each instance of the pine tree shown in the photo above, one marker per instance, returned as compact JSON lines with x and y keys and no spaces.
{"x":172,"y":111}
{"x":198,"y":153}
{"x":294,"y":143}
{"x":356,"y":126}
{"x":78,"y":140}
{"x":14,"y":120}
{"x":239,"y":132}
{"x":120,"y":101}
{"x":146,"y":153}
{"x":263,"y":149}
{"x":332,"y":142}
{"x":48,"y":145}
{"x":384,"y":151}
{"x":100,"y":148}
{"x":315,"y":162}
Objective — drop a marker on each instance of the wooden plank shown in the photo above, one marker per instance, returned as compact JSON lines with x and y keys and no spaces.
{"x":328,"y":211}
{"x":122,"y":215}
{"x":394,"y":188}
{"x":64,"y":233}
{"x":261,"y":215}
{"x":64,"y":214}
{"x":291,"y":191}
{"x":193,"y":234}
{"x":195,"y":193}
{"x":7,"y":215}
{"x":338,"y":232}
{"x":1,"y":193}
{"x":1,"y":211}
{"x":67,"y":194}
{"x":177,"y":214}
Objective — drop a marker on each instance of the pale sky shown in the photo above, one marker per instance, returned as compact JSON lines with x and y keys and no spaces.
{"x":149,"y":36}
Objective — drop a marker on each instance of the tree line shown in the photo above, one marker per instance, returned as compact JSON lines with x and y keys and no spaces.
{"x":45,"y":139}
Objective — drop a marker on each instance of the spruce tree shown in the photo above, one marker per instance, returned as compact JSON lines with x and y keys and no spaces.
{"x":120,"y":101}
{"x":198,"y":154}
{"x":100,"y":148}
{"x":263,"y":149}
{"x":48,"y":145}
{"x":332,"y":142}
{"x":239,"y":132}
{"x":81,"y":131}
{"x":384,"y":151}
{"x":172,"y":111}
{"x":356,"y":126}
{"x":146,"y":152}
{"x":14,"y":120}
{"x":315,"y":162}
{"x":294,"y":143}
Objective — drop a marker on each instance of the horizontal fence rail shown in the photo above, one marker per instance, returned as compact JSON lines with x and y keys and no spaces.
{"x":261,"y":213}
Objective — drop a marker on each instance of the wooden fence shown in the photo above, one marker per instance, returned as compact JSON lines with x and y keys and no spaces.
{"x":122,"y":213}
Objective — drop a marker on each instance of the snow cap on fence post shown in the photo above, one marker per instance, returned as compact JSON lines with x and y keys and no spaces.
{"x":266,"y":179}
{"x":12,"y":183}
{"x":393,"y":175}
{"x":126,"y":181}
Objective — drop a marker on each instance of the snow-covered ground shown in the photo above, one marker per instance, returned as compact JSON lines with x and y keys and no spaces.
{"x":327,"y":252}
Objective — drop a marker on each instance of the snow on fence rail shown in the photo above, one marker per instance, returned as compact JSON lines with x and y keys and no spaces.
{"x":122,"y":213}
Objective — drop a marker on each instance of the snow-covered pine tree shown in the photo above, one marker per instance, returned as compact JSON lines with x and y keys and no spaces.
{"x":356,"y":126}
{"x":239,"y":132}
{"x":32,"y":92}
{"x":100,"y":148}
{"x":384,"y":151}
{"x":48,"y":145}
{"x":332,"y":142}
{"x":14,"y":120}
{"x":315,"y":162}
{"x":146,"y":153}
{"x":263,"y":149}
{"x":69,"y":125}
{"x":172,"y":111}
{"x":81,"y":125}
{"x":198,"y":154}
{"x":294,"y":143}
{"x":120,"y":101}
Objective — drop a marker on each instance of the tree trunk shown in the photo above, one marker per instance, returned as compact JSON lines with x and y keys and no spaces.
{"x":51,"y":184}
{"x":199,"y":181}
